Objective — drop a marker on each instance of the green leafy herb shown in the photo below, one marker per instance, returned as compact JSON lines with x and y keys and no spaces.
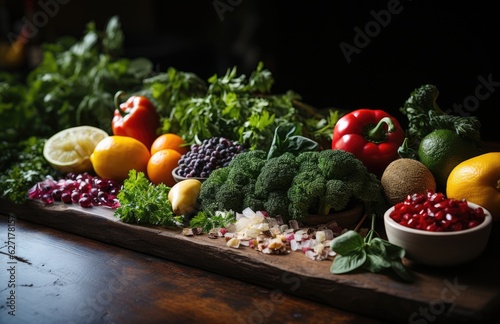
{"x":207,"y":221}
{"x":73,"y":85}
{"x":22,"y":165}
{"x":142,"y":202}
{"x":370,"y":253}
{"x":235,"y":106}
{"x":425,"y":116}
{"x":287,"y":139}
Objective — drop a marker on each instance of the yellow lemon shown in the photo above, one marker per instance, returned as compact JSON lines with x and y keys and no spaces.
{"x":477,"y":180}
{"x":115,"y":156}
{"x":69,"y":150}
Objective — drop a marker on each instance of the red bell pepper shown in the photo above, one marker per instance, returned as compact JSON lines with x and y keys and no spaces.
{"x":137,"y":118}
{"x":373,"y":136}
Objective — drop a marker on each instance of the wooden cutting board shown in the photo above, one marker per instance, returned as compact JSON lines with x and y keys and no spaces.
{"x":467,"y":292}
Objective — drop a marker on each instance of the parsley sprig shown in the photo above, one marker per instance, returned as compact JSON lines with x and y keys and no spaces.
{"x":207,"y":221}
{"x":142,"y":202}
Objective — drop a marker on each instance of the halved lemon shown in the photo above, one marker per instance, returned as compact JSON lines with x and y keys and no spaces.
{"x":69,"y":150}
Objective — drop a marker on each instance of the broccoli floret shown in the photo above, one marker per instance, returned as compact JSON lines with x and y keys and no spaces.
{"x":249,"y":199}
{"x":226,"y":188}
{"x":276,"y":175}
{"x":210,"y":187}
{"x":337,"y":196}
{"x":339,"y":164}
{"x":369,"y":190}
{"x":305,"y":194}
{"x":249,"y":163}
{"x":230,"y":197}
{"x":330,"y":180}
{"x":237,"y":176}
{"x":307,"y":161}
{"x":277,"y":204}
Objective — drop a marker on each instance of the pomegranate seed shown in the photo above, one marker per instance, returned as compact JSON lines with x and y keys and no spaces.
{"x":431,"y":227}
{"x":56,"y":194}
{"x":472,"y":223}
{"x":85,"y":189}
{"x":85,"y":201}
{"x":75,"y":196}
{"x":47,"y":199}
{"x":66,"y":197}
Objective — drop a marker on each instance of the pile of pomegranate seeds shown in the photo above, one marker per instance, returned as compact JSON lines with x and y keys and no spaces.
{"x":84,"y":189}
{"x":435,"y":213}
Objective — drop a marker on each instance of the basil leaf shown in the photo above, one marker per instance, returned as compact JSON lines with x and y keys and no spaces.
{"x":377,"y":247}
{"x":347,"y":243}
{"x":386,"y":248}
{"x":375,"y":263}
{"x":394,"y":252}
{"x":349,"y":262}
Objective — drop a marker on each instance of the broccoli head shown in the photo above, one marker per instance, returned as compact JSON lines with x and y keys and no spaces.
{"x":209,"y":188}
{"x":276,"y":175}
{"x":277,"y":204}
{"x":249,"y":199}
{"x":305,"y":194}
{"x":339,"y":164}
{"x":330,"y":180}
{"x":369,"y":190}
{"x":230,"y":197}
{"x":307,"y":160}
{"x":248,"y":163}
{"x":337,"y":196}
{"x":226,"y":188}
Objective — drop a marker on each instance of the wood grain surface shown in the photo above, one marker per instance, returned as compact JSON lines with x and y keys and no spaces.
{"x":468,"y":292}
{"x":66,"y":278}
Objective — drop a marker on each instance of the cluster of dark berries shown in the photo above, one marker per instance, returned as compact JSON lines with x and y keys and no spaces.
{"x":211,"y":154}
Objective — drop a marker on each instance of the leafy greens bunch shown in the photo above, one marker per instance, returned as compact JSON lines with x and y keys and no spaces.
{"x":73,"y":85}
{"x":142,"y":202}
{"x":22,"y":165}
{"x":424,"y":116}
{"x":235,"y":106}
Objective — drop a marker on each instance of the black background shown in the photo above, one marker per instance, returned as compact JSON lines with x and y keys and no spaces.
{"x":448,"y":44}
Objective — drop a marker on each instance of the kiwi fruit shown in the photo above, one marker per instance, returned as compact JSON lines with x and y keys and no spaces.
{"x":404,"y":177}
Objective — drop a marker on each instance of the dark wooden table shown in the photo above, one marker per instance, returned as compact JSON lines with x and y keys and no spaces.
{"x":65,"y":278}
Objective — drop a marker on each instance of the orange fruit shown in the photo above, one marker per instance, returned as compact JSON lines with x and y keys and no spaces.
{"x":160,"y":166}
{"x":477,"y":180}
{"x":115,"y":156}
{"x":169,"y":141}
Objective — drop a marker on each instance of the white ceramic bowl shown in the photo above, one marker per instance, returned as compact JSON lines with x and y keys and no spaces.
{"x":439,"y":248}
